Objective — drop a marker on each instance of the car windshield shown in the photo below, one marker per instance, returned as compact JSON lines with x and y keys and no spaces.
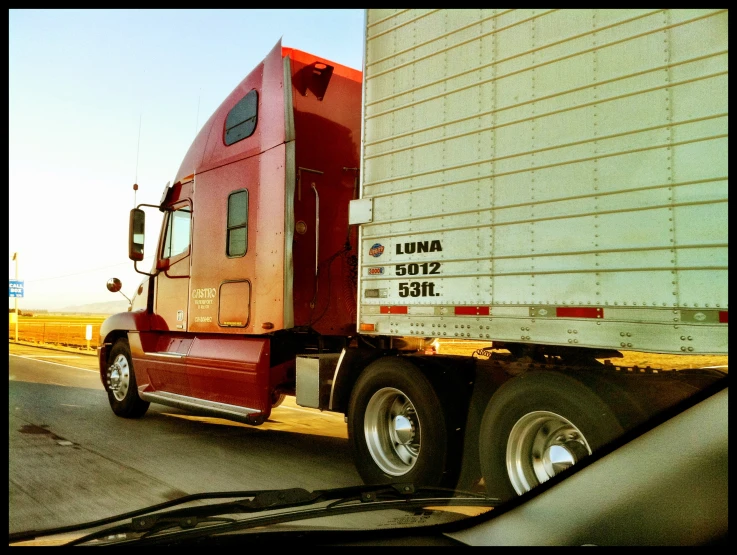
{"x":444,"y":277}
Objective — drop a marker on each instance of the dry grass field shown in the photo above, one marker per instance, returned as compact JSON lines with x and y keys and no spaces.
{"x":66,"y":330}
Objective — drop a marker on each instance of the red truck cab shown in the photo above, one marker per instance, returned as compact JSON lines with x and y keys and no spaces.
{"x":256,"y":261}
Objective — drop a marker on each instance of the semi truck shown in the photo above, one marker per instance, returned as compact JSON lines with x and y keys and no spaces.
{"x":551,"y":184}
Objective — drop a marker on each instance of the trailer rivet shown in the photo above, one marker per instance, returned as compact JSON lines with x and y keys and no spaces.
{"x":690,"y":348}
{"x":683,"y":348}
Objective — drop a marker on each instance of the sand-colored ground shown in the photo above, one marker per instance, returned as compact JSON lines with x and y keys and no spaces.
{"x":630,"y":358}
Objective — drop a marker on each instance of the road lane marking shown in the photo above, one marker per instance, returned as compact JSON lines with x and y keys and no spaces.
{"x":51,"y":356}
{"x":34,"y":357}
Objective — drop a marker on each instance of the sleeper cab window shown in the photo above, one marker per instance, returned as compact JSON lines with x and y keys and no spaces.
{"x":237,"y":232}
{"x":242,"y":118}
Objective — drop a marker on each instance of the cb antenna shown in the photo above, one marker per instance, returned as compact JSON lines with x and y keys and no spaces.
{"x":138,"y":149}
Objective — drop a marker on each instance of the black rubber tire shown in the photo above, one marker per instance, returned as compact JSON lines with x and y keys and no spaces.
{"x":551,"y":395}
{"x":394,"y":378}
{"x":277,"y":399}
{"x":130,"y":405}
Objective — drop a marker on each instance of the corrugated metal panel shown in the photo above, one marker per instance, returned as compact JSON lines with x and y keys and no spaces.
{"x":554,"y":156}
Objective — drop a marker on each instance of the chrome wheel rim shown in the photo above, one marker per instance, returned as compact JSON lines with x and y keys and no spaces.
{"x":118,"y":377}
{"x":542,"y":444}
{"x":392,"y":431}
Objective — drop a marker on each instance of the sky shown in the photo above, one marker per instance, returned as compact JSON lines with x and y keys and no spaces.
{"x":102,"y":99}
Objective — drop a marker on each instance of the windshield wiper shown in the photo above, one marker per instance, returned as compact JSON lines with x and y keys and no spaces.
{"x":149,"y":521}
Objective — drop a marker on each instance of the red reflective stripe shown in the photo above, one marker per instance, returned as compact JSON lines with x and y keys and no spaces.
{"x":723,"y":316}
{"x":472,"y":311}
{"x":578,"y":312}
{"x":393,"y":309}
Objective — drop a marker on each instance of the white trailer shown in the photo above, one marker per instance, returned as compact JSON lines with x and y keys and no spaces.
{"x":546,"y":177}
{"x":554,"y":183}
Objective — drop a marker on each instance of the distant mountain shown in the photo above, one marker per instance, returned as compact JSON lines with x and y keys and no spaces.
{"x":109,"y":307}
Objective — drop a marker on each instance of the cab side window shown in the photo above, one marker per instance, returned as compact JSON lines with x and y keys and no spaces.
{"x":177,"y":232}
{"x":237,"y":226}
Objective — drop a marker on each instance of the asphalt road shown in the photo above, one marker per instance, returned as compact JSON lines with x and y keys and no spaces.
{"x":72,"y":460}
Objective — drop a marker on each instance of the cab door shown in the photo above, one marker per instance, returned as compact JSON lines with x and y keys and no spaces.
{"x":173,"y":264}
{"x":165,"y":361}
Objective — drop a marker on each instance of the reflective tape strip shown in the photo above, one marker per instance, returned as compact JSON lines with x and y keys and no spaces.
{"x":578,"y":312}
{"x":393,"y":310}
{"x":471,"y":310}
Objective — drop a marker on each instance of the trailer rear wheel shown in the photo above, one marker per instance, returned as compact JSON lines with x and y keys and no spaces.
{"x":537,"y":425}
{"x":397,"y":426}
{"x":120,"y":383}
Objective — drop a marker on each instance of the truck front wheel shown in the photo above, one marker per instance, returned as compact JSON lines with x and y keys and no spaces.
{"x":120,"y":383}
{"x":537,"y":425}
{"x":396,"y":426}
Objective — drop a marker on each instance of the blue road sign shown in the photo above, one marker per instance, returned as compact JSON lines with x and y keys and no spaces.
{"x":16,"y":288}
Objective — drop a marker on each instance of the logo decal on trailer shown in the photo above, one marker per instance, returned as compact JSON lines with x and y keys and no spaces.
{"x":376,"y":250}
{"x":376,"y":271}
